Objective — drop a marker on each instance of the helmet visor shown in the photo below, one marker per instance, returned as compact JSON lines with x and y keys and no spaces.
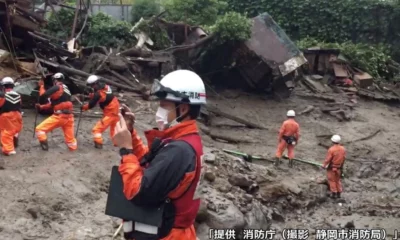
{"x":160,"y":92}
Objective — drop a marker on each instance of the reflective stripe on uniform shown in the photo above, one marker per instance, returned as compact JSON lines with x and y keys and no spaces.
{"x":97,"y":135}
{"x":12,"y":97}
{"x":40,"y":133}
{"x":66,"y":90}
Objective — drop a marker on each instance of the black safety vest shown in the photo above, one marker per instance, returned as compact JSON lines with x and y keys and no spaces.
{"x":109,"y":97}
{"x":65,"y":96}
{"x":12,"y":102}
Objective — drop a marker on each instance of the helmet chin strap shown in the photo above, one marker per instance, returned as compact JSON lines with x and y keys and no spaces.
{"x":178,"y":113}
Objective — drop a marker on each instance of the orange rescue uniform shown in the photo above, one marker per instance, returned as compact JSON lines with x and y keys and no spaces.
{"x":10,"y":119}
{"x":60,"y":100}
{"x":110,"y":106}
{"x":133,"y":174}
{"x":289,"y":128}
{"x":333,"y":162}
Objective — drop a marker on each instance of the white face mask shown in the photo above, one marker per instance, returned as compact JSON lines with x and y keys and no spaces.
{"x":162,"y":118}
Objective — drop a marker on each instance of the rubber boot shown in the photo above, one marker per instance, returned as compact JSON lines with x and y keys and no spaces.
{"x":338,"y":195}
{"x":290,"y":163}
{"x":277,"y":160}
{"x":10,"y":153}
{"x":15,"y":142}
{"x":45,"y":146}
{"x":98,"y":145}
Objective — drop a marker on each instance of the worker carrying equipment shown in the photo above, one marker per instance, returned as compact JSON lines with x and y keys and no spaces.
{"x":108,"y":103}
{"x":289,"y":135}
{"x":60,"y":100}
{"x":334,"y":162}
{"x":169,"y":173}
{"x":10,"y":116}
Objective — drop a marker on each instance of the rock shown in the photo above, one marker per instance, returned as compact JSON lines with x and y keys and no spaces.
{"x":222,"y":185}
{"x":209,"y":176}
{"x":277,"y":216}
{"x":230,"y":196}
{"x":212,"y":207}
{"x":248,"y":198}
{"x":256,"y":219}
{"x":230,"y":218}
{"x":33,"y":211}
{"x":117,"y":63}
{"x":202,"y":215}
{"x":273,"y":192}
{"x":209,"y":158}
{"x":240,"y":180}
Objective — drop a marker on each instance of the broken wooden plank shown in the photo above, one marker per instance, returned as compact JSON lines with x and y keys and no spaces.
{"x":234,"y":118}
{"x":86,"y":75}
{"x":122,"y":78}
{"x":369,"y":136}
{"x":321,"y":97}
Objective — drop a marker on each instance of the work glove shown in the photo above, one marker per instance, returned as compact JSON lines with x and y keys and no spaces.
{"x":41,"y":82}
{"x":322,"y":168}
{"x":37,"y":106}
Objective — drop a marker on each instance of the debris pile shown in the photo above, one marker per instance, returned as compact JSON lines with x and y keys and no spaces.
{"x":328,"y":71}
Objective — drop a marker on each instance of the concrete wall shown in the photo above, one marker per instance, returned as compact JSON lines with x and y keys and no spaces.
{"x":120,"y":12}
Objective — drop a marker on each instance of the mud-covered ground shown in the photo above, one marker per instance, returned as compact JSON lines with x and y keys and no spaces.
{"x":62,"y":195}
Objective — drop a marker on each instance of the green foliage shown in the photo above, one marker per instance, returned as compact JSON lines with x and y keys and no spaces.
{"x":101,"y":29}
{"x":370,"y":58}
{"x":194,"y":12}
{"x":232,"y":27}
{"x":156,"y":33}
{"x":145,"y":9}
{"x":368,"y":21}
{"x":62,"y":27}
{"x":105,"y":31}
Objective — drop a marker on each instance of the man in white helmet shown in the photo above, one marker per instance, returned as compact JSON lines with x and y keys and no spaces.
{"x":334,"y":163}
{"x":63,"y":117}
{"x":289,"y":135}
{"x":169,"y":171}
{"x":10,"y":116}
{"x":108,"y":103}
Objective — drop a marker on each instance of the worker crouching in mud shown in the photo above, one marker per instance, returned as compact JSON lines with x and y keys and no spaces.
{"x":334,"y":164}
{"x":108,"y":103}
{"x":10,"y":116}
{"x":168,"y":172}
{"x":289,"y":135}
{"x":60,"y":100}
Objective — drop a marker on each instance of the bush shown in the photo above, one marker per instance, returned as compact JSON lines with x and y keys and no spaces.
{"x":232,"y":27}
{"x":194,"y":12}
{"x":145,"y":9}
{"x":370,"y":58}
{"x":105,"y":31}
{"x":101,"y":29}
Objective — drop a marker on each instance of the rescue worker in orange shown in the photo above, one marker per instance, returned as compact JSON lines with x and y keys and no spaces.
{"x":334,"y":164}
{"x":60,"y":101}
{"x":108,"y":103}
{"x":289,"y":135}
{"x":169,"y":171}
{"x":10,"y":116}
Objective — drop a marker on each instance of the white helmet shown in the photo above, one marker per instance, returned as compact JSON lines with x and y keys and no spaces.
{"x":58,"y":76}
{"x":184,"y":82}
{"x":336,"y":139}
{"x":7,"y":80}
{"x":290,"y":113}
{"x":92,"y":79}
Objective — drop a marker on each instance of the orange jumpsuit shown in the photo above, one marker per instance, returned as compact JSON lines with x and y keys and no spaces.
{"x":10,"y":119}
{"x":134,"y":176}
{"x":60,"y":100}
{"x":110,"y":106}
{"x":334,"y":161}
{"x":289,"y":128}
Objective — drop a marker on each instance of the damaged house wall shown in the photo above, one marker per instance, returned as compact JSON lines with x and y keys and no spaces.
{"x":264,"y":62}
